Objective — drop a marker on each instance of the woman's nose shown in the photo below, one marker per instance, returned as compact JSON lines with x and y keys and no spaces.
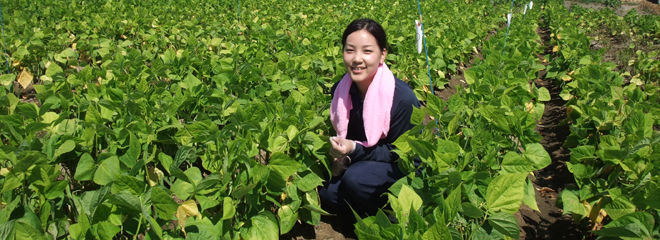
{"x":357,"y":58}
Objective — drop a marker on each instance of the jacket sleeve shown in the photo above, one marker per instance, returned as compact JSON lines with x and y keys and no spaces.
{"x":399,"y":124}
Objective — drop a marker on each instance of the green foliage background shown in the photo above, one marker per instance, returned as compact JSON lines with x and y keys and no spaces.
{"x":180,"y":119}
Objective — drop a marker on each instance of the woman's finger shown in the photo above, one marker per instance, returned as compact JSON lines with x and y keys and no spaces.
{"x":334,"y":143}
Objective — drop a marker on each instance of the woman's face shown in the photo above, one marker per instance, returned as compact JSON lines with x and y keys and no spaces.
{"x":362,"y":56}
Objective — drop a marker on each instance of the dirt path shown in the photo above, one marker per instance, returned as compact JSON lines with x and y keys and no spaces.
{"x":620,"y":11}
{"x":550,"y":223}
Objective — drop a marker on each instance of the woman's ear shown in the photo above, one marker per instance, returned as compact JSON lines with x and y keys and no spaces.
{"x":383,"y":55}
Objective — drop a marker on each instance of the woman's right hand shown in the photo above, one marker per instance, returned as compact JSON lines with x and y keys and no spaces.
{"x":341,"y":147}
{"x":339,"y":165}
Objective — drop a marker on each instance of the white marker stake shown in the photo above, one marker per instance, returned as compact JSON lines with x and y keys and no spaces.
{"x":531,"y":3}
{"x":418,"y":29}
{"x":508,"y":20}
{"x":525,"y":10}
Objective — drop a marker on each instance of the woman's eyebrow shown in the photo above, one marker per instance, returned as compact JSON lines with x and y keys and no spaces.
{"x":363,"y":46}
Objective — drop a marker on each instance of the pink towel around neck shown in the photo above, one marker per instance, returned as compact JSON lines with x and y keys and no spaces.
{"x":376,"y":109}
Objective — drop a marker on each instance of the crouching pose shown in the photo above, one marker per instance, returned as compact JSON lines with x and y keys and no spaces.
{"x":370,"y":109}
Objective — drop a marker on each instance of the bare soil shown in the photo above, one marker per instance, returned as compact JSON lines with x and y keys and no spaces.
{"x":621,"y":11}
{"x":550,"y":222}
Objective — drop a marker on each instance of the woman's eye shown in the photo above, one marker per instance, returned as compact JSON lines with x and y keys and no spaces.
{"x":367,"y":51}
{"x":348,"y":50}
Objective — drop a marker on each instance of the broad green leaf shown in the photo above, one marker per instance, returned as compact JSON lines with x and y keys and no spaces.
{"x":448,"y":151}
{"x":382,"y":220}
{"x":437,"y":231}
{"x":165,"y":160}
{"x":56,"y":189}
{"x":505,"y":223}
{"x":163,"y":203}
{"x":638,"y":225}
{"x":454,"y":202}
{"x":155,"y":227}
{"x":93,"y":115}
{"x":190,"y":82}
{"x":26,"y":231}
{"x":106,"y":171}
{"x":470,"y":76}
{"x":209,"y":181}
{"x":571,"y":203}
{"x":586,"y":60}
{"x":12,"y":181}
{"x":417,"y":116}
{"x":652,"y":201}
{"x":53,"y":69}
{"x":106,"y":230}
{"x":536,"y":154}
{"x":6,"y":229}
{"x":283,"y":164}
{"x":91,"y":200}
{"x":182,"y":189}
{"x":416,"y":222}
{"x":132,"y":153}
{"x":85,"y":168}
{"x":619,"y":207}
{"x":505,"y":193}
{"x":6,"y":212}
{"x":582,"y":153}
{"x":279,"y":145}
{"x":544,"y":94}
{"x":291,"y":132}
{"x":66,"y":147}
{"x":13,"y":102}
{"x":470,"y":210}
{"x":127,"y":183}
{"x":408,"y":199}
{"x":24,"y":163}
{"x":126,"y":199}
{"x":287,"y":218}
{"x":309,"y":182}
{"x":530,"y":195}
{"x":7,"y":79}
{"x":514,"y":163}
{"x":228,"y":208}
{"x":262,"y":227}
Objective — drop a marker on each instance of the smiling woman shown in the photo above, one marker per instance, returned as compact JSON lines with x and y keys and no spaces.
{"x":368,"y":117}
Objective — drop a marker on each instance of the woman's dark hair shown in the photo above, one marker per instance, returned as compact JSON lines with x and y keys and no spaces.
{"x":371,"y":26}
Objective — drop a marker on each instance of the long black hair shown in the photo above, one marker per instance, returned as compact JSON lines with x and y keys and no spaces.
{"x":371,"y":26}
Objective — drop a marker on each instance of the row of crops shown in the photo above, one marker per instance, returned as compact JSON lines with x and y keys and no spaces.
{"x":614,"y":119}
{"x":206,"y":119}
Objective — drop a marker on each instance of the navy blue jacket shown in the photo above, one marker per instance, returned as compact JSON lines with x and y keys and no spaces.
{"x":402,"y":108}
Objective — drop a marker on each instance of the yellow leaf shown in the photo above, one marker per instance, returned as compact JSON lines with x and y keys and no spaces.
{"x":567,"y":78}
{"x":595,"y":211}
{"x":441,"y":74}
{"x":4,"y":171}
{"x":602,"y":214}
{"x":187,"y":209}
{"x":529,"y":106}
{"x":25,"y":78}
{"x":154,"y":176}
{"x":555,"y":48}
